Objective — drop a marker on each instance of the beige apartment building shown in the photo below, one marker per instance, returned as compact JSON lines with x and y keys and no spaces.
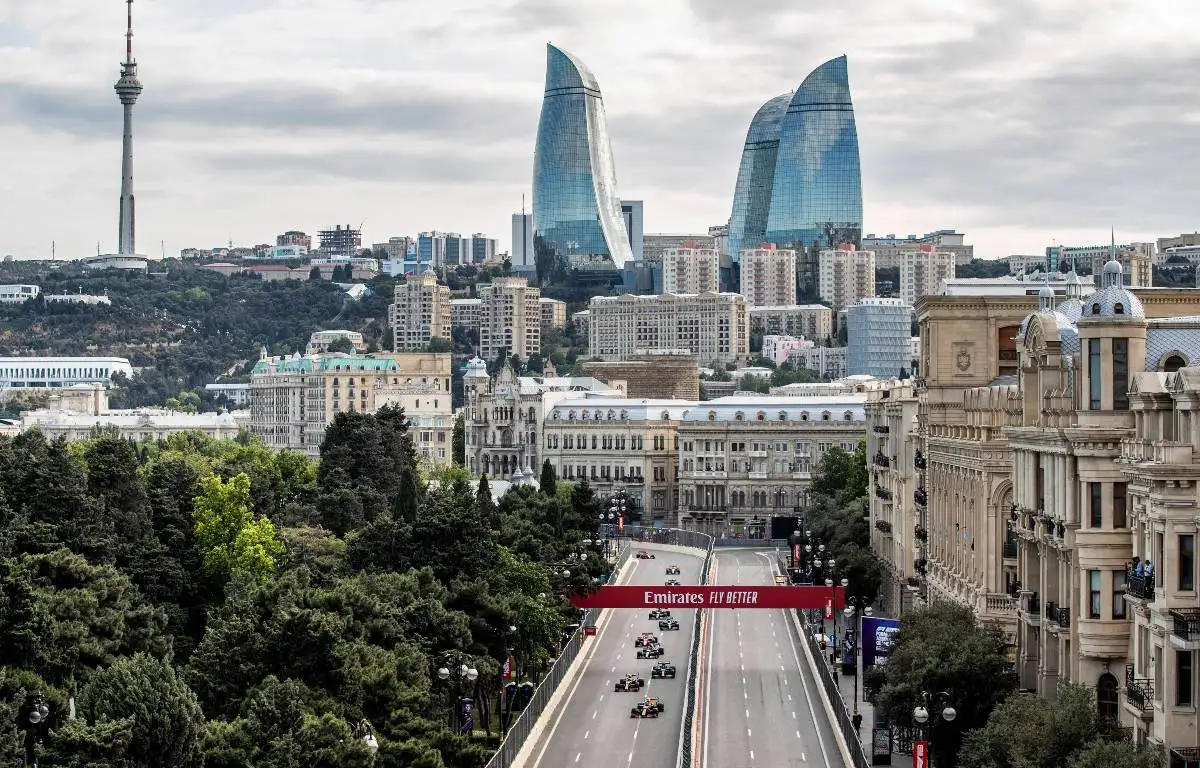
{"x":505,"y":415}
{"x":419,"y":313}
{"x":691,"y":270}
{"x":897,"y":468}
{"x":510,"y":318}
{"x":742,"y":458}
{"x":294,"y":398}
{"x":921,"y":272}
{"x":809,"y":321}
{"x":466,"y":313}
{"x":553,"y":313}
{"x":657,"y":374}
{"x":619,"y":443}
{"x":846,"y":276}
{"x":713,"y":326}
{"x":768,"y":277}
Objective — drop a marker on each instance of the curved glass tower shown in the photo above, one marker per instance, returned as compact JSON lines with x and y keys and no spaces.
{"x":756,"y":177}
{"x":816,"y":198}
{"x":577,"y":220}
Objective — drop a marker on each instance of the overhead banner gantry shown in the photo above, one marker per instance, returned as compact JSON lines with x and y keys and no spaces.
{"x":723,"y":596}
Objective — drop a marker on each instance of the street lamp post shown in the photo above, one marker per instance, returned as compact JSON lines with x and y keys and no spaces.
{"x":37,"y":715}
{"x":927,"y":711}
{"x":365,"y":732}
{"x":455,"y":679}
{"x":856,"y":608}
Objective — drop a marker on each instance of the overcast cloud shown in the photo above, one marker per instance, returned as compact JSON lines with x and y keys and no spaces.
{"x":1016,"y":121}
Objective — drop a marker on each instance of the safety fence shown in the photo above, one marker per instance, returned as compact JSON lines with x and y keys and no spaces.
{"x":689,"y":713}
{"x":506,"y":755}
{"x":833,"y":694}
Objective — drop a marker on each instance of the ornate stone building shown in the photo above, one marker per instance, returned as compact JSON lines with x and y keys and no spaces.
{"x":505,"y":416}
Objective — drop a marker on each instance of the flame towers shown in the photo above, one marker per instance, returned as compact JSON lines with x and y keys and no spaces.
{"x":800,"y":183}
{"x":577,"y":221}
{"x":128,"y":89}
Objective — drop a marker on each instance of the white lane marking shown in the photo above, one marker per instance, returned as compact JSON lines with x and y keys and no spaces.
{"x":798,"y":736}
{"x":743,"y":682}
{"x":602,"y":697}
{"x":809,"y":697}
{"x":578,"y":756}
{"x":745,"y":695}
{"x":618,"y":657}
{"x":804,"y":757}
{"x":586,"y":734}
{"x":614,"y":669}
{"x":607,"y":683}
{"x":749,"y":732}
{"x":752,"y":754}
{"x":593,"y":715}
{"x":781,"y":669}
{"x":793,"y":717}
{"x":747,"y":713}
{"x":789,"y":697}
{"x":631,"y":757}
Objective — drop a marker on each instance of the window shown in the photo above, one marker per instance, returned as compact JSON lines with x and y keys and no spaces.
{"x":1183,"y":678}
{"x":1096,"y":505}
{"x":1094,"y":369}
{"x":1095,"y":593}
{"x":1120,"y":375}
{"x":1187,"y":562}
{"x":1119,"y":492}
{"x":1118,"y":604}
{"x":1173,"y":363}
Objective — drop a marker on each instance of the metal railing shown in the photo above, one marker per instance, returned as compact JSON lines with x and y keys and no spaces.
{"x":1186,"y":623}
{"x":523,"y":726}
{"x":1139,"y":692}
{"x":689,"y":712}
{"x":858,"y":753}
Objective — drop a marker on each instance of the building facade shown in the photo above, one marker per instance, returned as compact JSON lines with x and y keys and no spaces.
{"x":60,"y":372}
{"x":879,"y":338}
{"x":756,"y":177}
{"x":553,"y":313}
{"x":510,"y":318}
{"x":889,"y":248}
{"x":294,"y":398}
{"x":713,"y":326}
{"x":135,"y":424}
{"x":922,"y":271}
{"x":576,"y":206}
{"x":845,"y":276}
{"x":656,"y":374}
{"x":691,"y":270}
{"x":420,"y":312}
{"x":768,"y":277}
{"x":747,"y":457}
{"x":810,"y":321}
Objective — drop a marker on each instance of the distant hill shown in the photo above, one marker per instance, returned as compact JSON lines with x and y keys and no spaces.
{"x":186,"y":328}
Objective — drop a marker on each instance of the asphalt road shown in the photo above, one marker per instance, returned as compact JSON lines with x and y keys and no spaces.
{"x":593,"y":728}
{"x":762,"y":707}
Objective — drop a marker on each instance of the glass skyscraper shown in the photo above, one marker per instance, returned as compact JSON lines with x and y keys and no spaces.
{"x":756,"y":177}
{"x":800,"y":184}
{"x":577,"y":219}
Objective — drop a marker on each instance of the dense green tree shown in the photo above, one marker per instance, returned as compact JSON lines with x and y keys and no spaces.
{"x":363,"y":456}
{"x":64,"y":617}
{"x":113,"y":480}
{"x":166,"y":719}
{"x":232,"y":541}
{"x":458,"y":440}
{"x":1115,"y":754}
{"x":548,"y":483}
{"x":943,"y":648}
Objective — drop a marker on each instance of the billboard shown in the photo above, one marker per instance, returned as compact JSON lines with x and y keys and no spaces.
{"x":773,"y":596}
{"x":876,"y":640}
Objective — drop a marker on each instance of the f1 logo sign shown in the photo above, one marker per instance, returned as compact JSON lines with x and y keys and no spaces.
{"x":920,"y":754}
{"x":829,"y":613}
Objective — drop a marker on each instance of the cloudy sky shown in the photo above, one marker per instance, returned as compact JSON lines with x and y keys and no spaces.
{"x":1018,"y":122}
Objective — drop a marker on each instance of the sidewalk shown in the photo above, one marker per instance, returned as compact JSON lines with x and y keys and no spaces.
{"x":846,"y":686}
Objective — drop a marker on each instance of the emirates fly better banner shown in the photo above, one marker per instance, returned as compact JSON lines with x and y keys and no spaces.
{"x":728,"y":596}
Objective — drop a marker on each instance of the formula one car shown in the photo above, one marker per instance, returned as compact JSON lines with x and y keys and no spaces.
{"x":651,"y":652}
{"x":672,"y":582}
{"x":630,"y":683}
{"x":644,"y":555}
{"x":648,"y":707}
{"x":645,"y":640}
{"x":659,"y":613}
{"x":668,"y":625}
{"x":672,"y":570}
{"x":663,"y":670}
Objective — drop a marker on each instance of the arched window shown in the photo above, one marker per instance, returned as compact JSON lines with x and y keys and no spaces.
{"x":1096,"y":309}
{"x":712,"y":415}
{"x":597,"y":415}
{"x":783,"y":415}
{"x":1119,"y":308}
{"x":571,"y":416}
{"x":665,"y":416}
{"x":804,"y":416}
{"x":554,"y":415}
{"x":826,"y":416}
{"x":761,"y":416}
{"x":847,"y":416}
{"x":739,"y":416}
{"x":1106,"y":698}
{"x":612,"y":415}
{"x":624,"y":415}
{"x":1173,"y":363}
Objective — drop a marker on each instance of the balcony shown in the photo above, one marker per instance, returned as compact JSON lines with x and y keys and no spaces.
{"x":920,"y":533}
{"x":1139,"y":587}
{"x":1063,"y":617}
{"x":921,"y":497}
{"x":919,"y":461}
{"x":883,"y":493}
{"x":883,"y":526}
{"x":1185,"y":636}
{"x":882,"y":461}
{"x":759,"y":454}
{"x":1184,"y":756}
{"x":999,"y":603}
{"x":882,"y":429}
{"x":759,"y":475}
{"x":1139,"y":692}
{"x":1033,"y":608}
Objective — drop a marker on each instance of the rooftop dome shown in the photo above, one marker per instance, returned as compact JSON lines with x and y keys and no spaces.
{"x":476,"y":368}
{"x":1113,"y":299}
{"x":1072,"y":309}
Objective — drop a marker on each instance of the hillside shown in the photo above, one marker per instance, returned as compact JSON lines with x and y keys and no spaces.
{"x":185,"y":328}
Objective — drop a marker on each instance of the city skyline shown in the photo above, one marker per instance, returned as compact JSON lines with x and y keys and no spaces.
{"x":1001,"y":122}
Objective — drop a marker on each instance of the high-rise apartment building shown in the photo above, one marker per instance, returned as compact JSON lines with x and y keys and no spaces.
{"x":714,"y":326}
{"x":482,"y":249}
{"x":632,"y":212}
{"x":439,"y":249}
{"x":510,"y":318}
{"x":846,"y":276}
{"x":888,"y":248}
{"x":879,"y":338}
{"x":340,"y":242}
{"x":554,"y":313}
{"x":419,"y":313}
{"x":656,"y":244}
{"x":294,"y":237}
{"x":577,"y":218}
{"x":812,"y":321}
{"x":691,"y":270}
{"x":520,"y":255}
{"x":922,"y":270}
{"x":768,"y":276}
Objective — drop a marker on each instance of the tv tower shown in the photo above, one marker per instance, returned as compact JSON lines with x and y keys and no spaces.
{"x":128,"y":89}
